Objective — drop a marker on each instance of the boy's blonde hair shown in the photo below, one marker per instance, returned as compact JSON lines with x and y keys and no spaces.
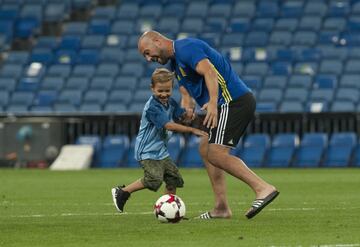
{"x":161,"y":75}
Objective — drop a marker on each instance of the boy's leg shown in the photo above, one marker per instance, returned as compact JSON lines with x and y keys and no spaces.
{"x":153,"y":177}
{"x":172,"y":176}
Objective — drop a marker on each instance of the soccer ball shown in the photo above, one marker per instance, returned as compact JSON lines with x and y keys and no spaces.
{"x":169,"y":208}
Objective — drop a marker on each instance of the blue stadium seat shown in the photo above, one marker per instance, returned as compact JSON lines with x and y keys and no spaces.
{"x":271,"y":95}
{"x":257,"y":39}
{"x":334,"y":24}
{"x":141,"y":96}
{"x":215,"y":25}
{"x":256,"y":68}
{"x":127,"y":11}
{"x":112,"y":55}
{"x":65,"y":108}
{"x":132,"y":69}
{"x":220,"y":9}
{"x":282,"y":150}
{"x":350,"y":81}
{"x":275,"y":81}
{"x":104,"y":12}
{"x":90,"y":108}
{"x":28,"y":84}
{"x":52,"y":83}
{"x":348,"y":94}
{"x":115,"y":108}
{"x":93,"y":41}
{"x":333,"y":67}
{"x":197,"y":9}
{"x":17,"y":57}
{"x":45,"y":98}
{"x":95,"y":142}
{"x":192,"y":25}
{"x":169,"y":24}
{"x":283,"y":38}
{"x":114,"y":149}
{"x":338,"y":10}
{"x":262,"y":24}
{"x":296,"y":94}
{"x":244,"y":9}
{"x":130,"y":157}
{"x":315,"y":8}
{"x":88,"y":56}
{"x":267,"y":9}
{"x":101,"y":83}
{"x":286,"y":24}
{"x":238,"y":25}
{"x":300,"y":81}
{"x":7,"y":84}
{"x":292,"y":9}
{"x":75,"y":28}
{"x":310,"y":23}
{"x":60,"y":70}
{"x":125,"y":27}
{"x":352,"y":66}
{"x":254,"y":149}
{"x":174,"y":9}
{"x":73,"y":97}
{"x":77,"y":83}
{"x":11,"y":70}
{"x":107,"y":69}
{"x":343,"y":106}
{"x":190,"y":156}
{"x":291,"y":107}
{"x":340,"y":149}
{"x":41,"y":109}
{"x":22,"y":98}
{"x":136,"y":107}
{"x":306,"y":38}
{"x":99,"y":26}
{"x":83,"y":70}
{"x":175,"y":146}
{"x":325,"y":81}
{"x":311,"y":150}
{"x":42,"y":55}
{"x":95,"y":96}
{"x":321,"y":94}
{"x":4,"y":98}
{"x":266,"y":106}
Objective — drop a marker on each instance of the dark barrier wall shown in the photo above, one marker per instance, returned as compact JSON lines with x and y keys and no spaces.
{"x":34,"y":138}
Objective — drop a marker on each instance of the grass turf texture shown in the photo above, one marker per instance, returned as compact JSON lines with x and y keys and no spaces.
{"x":46,"y":208}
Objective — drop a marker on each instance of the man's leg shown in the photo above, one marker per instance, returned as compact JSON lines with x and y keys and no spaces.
{"x":220,"y":157}
{"x":217,"y":179}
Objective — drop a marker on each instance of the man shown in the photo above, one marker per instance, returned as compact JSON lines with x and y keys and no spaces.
{"x":206,"y":76}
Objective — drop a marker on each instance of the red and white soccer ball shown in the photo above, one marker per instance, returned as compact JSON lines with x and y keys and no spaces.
{"x":169,"y":208}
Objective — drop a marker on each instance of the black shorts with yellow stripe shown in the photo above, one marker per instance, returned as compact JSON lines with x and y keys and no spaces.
{"x":233,"y":119}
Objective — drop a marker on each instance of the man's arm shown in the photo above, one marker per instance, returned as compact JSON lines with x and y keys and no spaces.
{"x":188,"y":103}
{"x":207,"y":70}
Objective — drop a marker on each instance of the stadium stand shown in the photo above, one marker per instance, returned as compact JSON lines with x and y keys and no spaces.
{"x":80,"y":57}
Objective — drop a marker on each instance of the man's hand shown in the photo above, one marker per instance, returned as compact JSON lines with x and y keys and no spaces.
{"x":211,"y":117}
{"x":199,"y":132}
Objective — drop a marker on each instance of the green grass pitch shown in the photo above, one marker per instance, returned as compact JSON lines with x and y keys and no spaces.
{"x":316,"y":207}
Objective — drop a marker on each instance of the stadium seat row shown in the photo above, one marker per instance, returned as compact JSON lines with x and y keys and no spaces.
{"x":257,"y":150}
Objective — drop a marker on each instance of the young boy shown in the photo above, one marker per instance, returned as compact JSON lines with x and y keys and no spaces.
{"x":151,"y":142}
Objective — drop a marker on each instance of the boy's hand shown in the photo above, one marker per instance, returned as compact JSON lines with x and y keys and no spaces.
{"x":199,"y":132}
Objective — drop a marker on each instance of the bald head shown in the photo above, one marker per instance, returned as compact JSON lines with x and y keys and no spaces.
{"x":155,"y":47}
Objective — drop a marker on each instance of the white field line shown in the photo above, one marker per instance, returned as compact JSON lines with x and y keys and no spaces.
{"x":321,"y":245}
{"x":150,"y":212}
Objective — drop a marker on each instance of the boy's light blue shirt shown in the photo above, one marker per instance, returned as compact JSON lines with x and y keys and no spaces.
{"x":151,"y":141}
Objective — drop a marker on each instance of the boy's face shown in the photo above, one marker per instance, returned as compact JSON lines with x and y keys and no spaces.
{"x":162,"y":91}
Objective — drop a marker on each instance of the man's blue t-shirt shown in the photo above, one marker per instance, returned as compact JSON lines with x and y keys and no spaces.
{"x":151,"y":141}
{"x":188,"y":52}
